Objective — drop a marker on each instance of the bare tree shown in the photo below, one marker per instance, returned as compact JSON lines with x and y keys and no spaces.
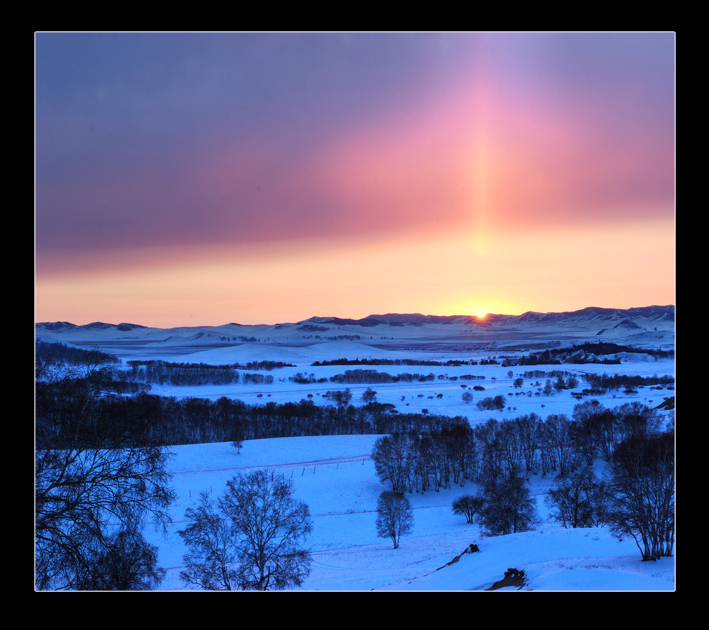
{"x":342,"y":398}
{"x":578,"y":499}
{"x":394,"y":516}
{"x":127,"y":563}
{"x":369,"y":395}
{"x":84,"y":496}
{"x":270,"y":523}
{"x":635,"y":420}
{"x":557,"y":437}
{"x":642,"y":502}
{"x":251,"y":539}
{"x":211,"y":540}
{"x":393,"y":457}
{"x":467,"y":505}
{"x":508,"y":506}
{"x":489,"y":449}
{"x":527,"y":428}
{"x":591,"y":424}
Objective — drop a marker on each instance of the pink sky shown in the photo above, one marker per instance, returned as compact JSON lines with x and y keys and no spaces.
{"x":489,"y":180}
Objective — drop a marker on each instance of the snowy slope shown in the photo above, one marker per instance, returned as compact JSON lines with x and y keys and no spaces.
{"x":336,"y":478}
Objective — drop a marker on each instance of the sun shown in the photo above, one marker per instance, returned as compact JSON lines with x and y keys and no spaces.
{"x":482,"y":315}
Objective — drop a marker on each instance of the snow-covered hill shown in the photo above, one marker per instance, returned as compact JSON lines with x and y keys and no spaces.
{"x":319,"y":337}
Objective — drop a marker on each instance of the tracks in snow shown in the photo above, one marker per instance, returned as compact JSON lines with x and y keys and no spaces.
{"x":328,"y":461}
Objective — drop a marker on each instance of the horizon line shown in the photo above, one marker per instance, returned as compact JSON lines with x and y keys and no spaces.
{"x":370,"y":316}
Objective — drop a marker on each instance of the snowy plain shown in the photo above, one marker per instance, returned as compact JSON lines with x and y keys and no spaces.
{"x":335,"y":475}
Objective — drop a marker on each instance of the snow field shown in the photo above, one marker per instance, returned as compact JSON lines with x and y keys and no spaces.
{"x":336,"y":478}
{"x":414,"y":397}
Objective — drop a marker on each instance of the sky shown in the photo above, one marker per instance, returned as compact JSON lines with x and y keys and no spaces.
{"x":186,"y":179}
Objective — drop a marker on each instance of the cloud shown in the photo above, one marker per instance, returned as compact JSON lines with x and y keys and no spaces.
{"x":204,"y":140}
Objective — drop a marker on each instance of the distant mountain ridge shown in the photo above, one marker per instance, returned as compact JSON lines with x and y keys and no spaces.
{"x":666,"y":313}
{"x":391,"y":319}
{"x":609,"y":317}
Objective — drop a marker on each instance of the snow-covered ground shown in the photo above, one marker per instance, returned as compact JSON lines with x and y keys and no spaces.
{"x":336,"y":478}
{"x":335,"y":475}
{"x":440,"y":396}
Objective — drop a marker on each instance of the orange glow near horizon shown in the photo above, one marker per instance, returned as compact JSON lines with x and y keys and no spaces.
{"x":556,"y":271}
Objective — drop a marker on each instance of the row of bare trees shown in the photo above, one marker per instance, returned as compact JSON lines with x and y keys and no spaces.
{"x":171,"y":420}
{"x":414,"y":461}
{"x":189,"y":374}
{"x":635,"y":498}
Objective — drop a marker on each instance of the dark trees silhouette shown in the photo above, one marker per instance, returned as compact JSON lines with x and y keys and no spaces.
{"x":468,"y":505}
{"x":251,"y":538}
{"x":642,"y":493}
{"x":395,"y":517}
{"x":508,"y":506}
{"x":96,"y":484}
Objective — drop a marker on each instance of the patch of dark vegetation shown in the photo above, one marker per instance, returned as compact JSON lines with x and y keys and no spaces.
{"x":373,"y":376}
{"x":580,"y":354}
{"x":61,"y":353}
{"x":616,"y":381}
{"x":169,"y":420}
{"x":167,"y":372}
{"x":252,"y":365}
{"x":451,"y":362}
{"x":261,"y":365}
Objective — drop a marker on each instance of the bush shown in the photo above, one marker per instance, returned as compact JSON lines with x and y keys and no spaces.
{"x":492,"y":404}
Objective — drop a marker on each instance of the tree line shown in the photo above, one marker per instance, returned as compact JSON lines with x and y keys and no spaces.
{"x":636,"y":500}
{"x":195,"y":374}
{"x":374,"y":376}
{"x":169,"y":420}
{"x":49,"y":352}
{"x":605,"y":382}
{"x":410,"y":362}
{"x":528,"y":444}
